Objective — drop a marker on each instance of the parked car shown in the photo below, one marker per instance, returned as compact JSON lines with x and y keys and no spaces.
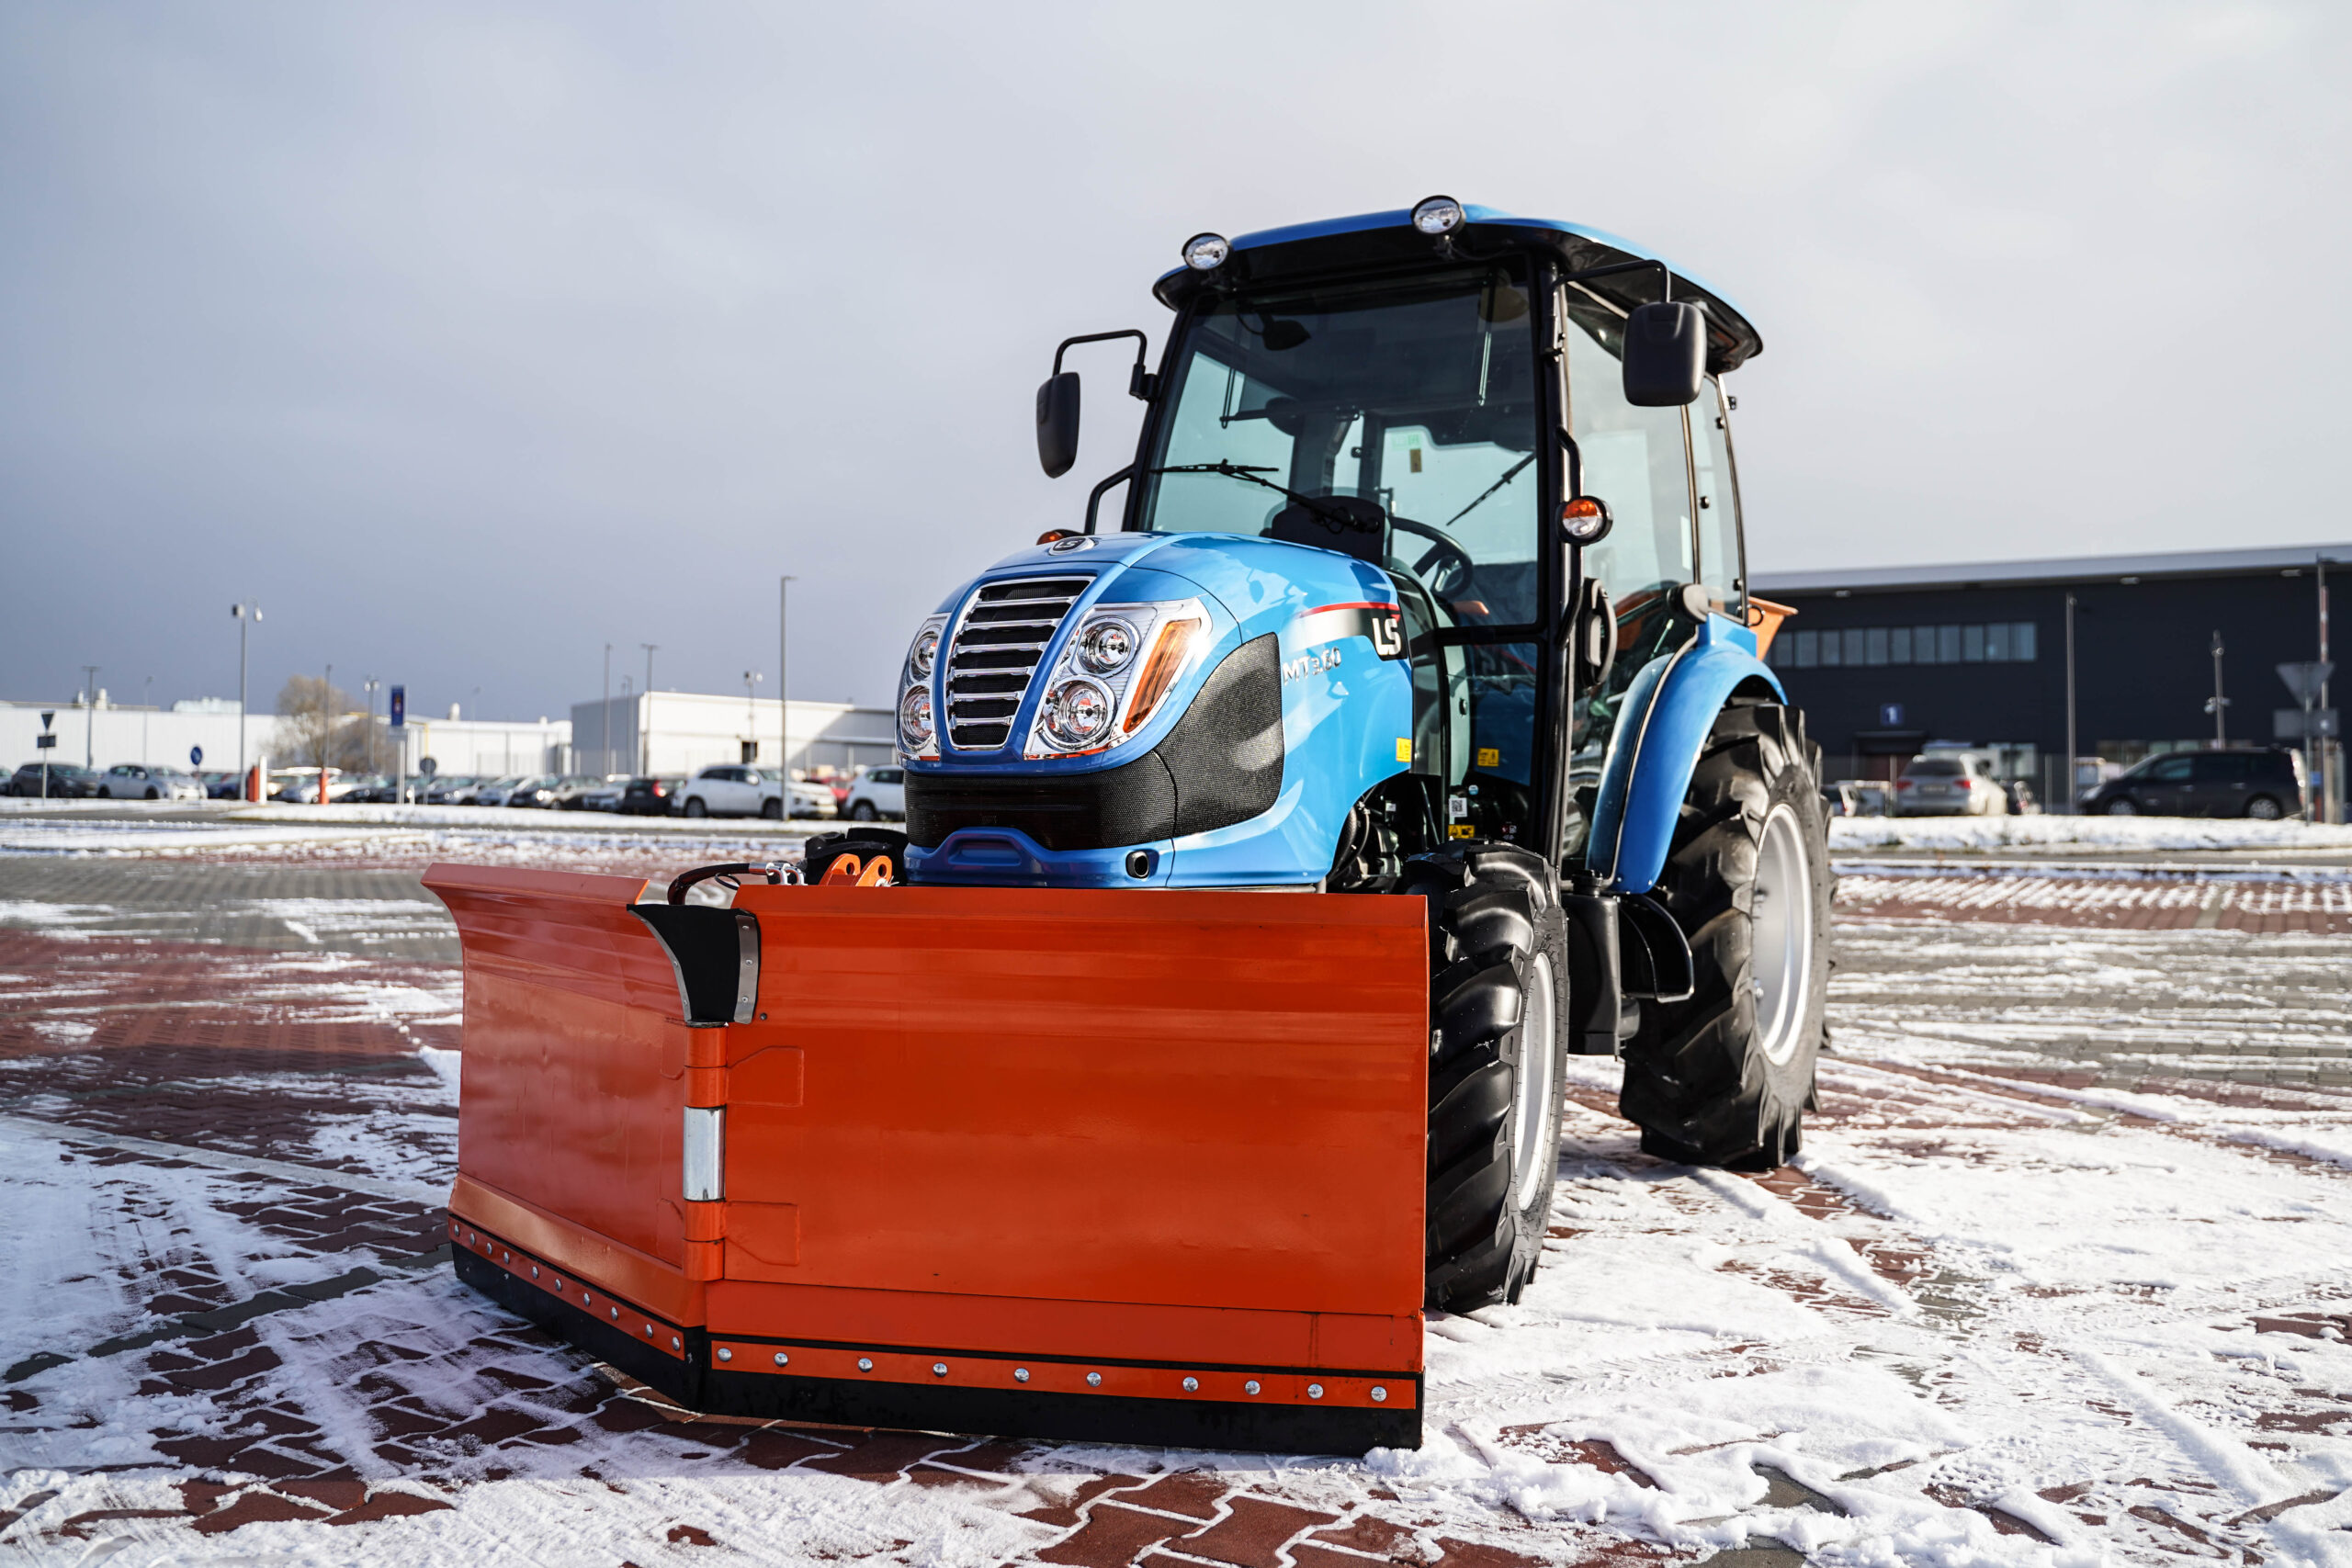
{"x":606,"y":796}
{"x":66,"y":781}
{"x":813,"y":799}
{"x":876,"y":794}
{"x":537,"y":792}
{"x":493,"y":791}
{"x":221,"y":783}
{"x":451,"y":789}
{"x":2264,"y":783}
{"x":729,"y":790}
{"x":572,"y":790}
{"x":301,"y":785}
{"x":1960,"y":786}
{"x":140,"y":781}
{"x":650,"y":796}
{"x":363,"y":789}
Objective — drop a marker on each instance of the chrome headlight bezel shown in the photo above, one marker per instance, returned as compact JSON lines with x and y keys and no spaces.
{"x":915,"y":671}
{"x":1184,"y":624}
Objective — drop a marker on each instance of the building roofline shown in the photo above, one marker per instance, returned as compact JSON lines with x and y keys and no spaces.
{"x":2070,"y":568}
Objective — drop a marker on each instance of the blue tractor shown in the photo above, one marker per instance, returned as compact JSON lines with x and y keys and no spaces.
{"x":1427,"y":580}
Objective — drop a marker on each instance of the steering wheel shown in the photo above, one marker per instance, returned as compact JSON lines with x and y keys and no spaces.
{"x":1454,"y":565}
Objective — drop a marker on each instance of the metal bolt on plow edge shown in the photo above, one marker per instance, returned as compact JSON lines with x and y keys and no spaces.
{"x":782,"y":1359}
{"x":939,"y":1369}
{"x":1250,"y":1387}
{"x":864,"y":1364}
{"x":1379,"y":1395}
{"x":1315,"y":1390}
{"x":1094,"y":1379}
{"x":1020,"y":1374}
{"x":1191,"y":1385}
{"x":725,"y":1354}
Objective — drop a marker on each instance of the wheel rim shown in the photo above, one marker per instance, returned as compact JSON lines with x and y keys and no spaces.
{"x":2264,"y":809}
{"x":1531,"y":1097}
{"x":1780,"y":947}
{"x":2121,"y":808}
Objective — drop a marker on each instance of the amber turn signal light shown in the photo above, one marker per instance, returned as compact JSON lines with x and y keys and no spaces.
{"x":1585,"y":520}
{"x":1050,"y":535}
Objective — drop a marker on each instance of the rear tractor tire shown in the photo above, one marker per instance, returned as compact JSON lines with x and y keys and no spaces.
{"x":1723,"y":1078}
{"x":1497,"y":1036}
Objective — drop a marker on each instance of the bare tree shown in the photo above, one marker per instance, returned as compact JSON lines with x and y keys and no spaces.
{"x":318,"y":727}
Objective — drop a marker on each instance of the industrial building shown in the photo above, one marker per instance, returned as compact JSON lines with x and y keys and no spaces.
{"x":677,"y":732}
{"x":102,"y":733}
{"x":1886,"y":661}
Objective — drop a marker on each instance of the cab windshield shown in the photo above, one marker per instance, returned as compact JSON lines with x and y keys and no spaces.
{"x":1418,"y":399}
{"x":1397,"y":421}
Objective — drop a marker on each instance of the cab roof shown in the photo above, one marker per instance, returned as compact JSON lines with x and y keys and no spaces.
{"x":1379,"y":240}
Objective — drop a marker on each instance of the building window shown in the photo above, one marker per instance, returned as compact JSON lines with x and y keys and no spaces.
{"x":1993,"y":642}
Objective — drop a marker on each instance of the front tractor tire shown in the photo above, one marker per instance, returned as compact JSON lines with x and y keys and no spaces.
{"x":1497,"y":1035}
{"x":1723,"y":1078}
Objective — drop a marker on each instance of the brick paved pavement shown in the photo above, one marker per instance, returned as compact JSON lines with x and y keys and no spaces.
{"x":302,"y":1361}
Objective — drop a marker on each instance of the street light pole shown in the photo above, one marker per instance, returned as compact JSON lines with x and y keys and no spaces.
{"x":645,"y":724}
{"x":2073,"y":784}
{"x":146,"y":690}
{"x":90,"y":716}
{"x":246,"y":615}
{"x":2219,"y":702}
{"x":368,"y":684}
{"x":605,"y":714}
{"x":752,"y":713}
{"x":783,"y":672}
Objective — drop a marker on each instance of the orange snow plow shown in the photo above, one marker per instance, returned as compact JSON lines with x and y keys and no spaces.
{"x":1030,"y":1162}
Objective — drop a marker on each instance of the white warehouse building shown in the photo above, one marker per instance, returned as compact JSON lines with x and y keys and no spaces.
{"x":678,"y":732}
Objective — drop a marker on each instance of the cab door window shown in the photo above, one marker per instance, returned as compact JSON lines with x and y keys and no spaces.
{"x":1720,"y":566}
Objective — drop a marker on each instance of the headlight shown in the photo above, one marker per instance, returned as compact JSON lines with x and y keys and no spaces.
{"x":1436,"y":215}
{"x":1077,"y":713}
{"x":1107,"y":646}
{"x":1206,"y":253}
{"x":917,"y":736}
{"x":1113,"y":673}
{"x":915,"y":719}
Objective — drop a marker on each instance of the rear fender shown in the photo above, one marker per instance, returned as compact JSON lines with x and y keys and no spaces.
{"x":1669,"y":711}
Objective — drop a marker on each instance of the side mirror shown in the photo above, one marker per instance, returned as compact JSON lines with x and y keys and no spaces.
{"x":1666,"y":356}
{"x":1057,"y":423}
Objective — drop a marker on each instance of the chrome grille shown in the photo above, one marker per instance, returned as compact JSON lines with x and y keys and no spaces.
{"x":995,"y":655}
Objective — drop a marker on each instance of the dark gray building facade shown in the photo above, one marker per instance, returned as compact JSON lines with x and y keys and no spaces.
{"x":1886,"y":661}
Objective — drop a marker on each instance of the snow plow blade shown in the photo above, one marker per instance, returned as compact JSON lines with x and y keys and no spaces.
{"x":1130,"y":1167}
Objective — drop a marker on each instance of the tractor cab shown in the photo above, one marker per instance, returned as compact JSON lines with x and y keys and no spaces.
{"x":1427,"y":393}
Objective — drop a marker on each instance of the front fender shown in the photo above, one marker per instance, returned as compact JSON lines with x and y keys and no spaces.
{"x":1669,"y":711}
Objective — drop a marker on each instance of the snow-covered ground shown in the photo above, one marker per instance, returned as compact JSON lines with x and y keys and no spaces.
{"x":2083,"y":834}
{"x":2060,"y":1278}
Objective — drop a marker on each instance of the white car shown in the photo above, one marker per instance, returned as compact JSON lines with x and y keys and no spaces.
{"x":877,"y":793}
{"x":729,"y":790}
{"x":136,"y":780}
{"x":1952,"y":784}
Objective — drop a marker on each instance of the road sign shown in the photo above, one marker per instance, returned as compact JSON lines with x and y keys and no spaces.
{"x":2303,"y":681}
{"x":2305,"y":724}
{"x":47,"y":716}
{"x":196,"y":756}
{"x":44,"y":743}
{"x":427,"y":766}
{"x":399,"y":706}
{"x":1890,"y":715}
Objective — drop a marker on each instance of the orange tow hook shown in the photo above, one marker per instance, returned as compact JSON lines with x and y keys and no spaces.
{"x":847,"y":872}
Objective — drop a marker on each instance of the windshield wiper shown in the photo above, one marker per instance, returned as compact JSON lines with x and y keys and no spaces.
{"x":1509,"y":474}
{"x":1251,"y":473}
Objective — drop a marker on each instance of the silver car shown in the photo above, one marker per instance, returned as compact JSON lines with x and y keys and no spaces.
{"x":1959,"y":785}
{"x":140,"y":780}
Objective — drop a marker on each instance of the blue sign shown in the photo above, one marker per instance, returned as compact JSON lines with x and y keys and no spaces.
{"x":1890,"y":714}
{"x":399,"y":706}
{"x":196,"y":756}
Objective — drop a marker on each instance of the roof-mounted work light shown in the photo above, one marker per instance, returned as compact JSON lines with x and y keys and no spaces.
{"x":1206,"y":253}
{"x":1438,"y":215}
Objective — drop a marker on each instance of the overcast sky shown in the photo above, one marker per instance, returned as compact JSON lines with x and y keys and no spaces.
{"x":469,"y":339}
